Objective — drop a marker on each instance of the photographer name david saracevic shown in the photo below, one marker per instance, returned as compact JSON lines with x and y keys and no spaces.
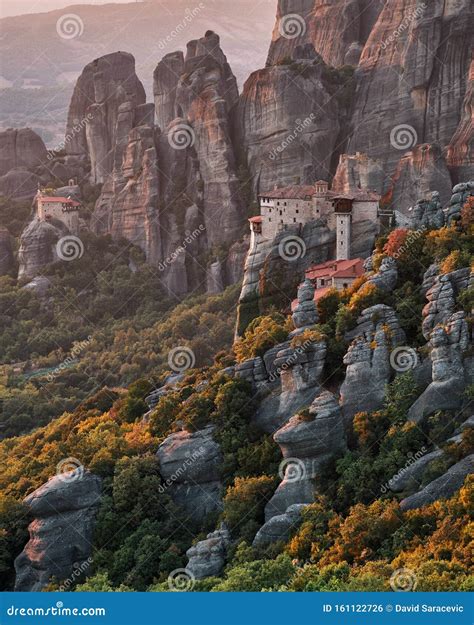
{"x":424,"y":607}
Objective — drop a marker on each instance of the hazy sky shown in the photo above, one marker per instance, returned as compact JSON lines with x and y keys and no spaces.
{"x":17,"y":7}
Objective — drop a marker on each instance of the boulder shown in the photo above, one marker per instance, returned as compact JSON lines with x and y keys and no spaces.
{"x":61,"y":533}
{"x":280,"y":527}
{"x":207,"y":557}
{"x":190,"y":466}
{"x":21,"y":149}
{"x":386,"y":277}
{"x":443,"y":487}
{"x":38,"y":246}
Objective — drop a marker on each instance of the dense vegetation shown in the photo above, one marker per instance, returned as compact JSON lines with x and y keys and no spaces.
{"x":352,"y":538}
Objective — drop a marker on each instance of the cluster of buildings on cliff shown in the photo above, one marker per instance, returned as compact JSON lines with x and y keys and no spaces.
{"x":289,"y":207}
{"x":57,"y":208}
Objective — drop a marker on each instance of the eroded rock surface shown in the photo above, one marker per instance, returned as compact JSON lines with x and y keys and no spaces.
{"x":190,"y":466}
{"x":207,"y":557}
{"x":61,"y":533}
{"x":306,"y":443}
{"x":280,"y":527}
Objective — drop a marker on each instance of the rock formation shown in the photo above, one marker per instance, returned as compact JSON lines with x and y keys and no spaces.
{"x":460,"y":155}
{"x":61,"y":532}
{"x":369,"y":370}
{"x":280,"y":527}
{"x":269,"y":278}
{"x":21,"y":149}
{"x":195,"y":111}
{"x":429,"y":214}
{"x":207,"y":557}
{"x":443,"y":487}
{"x":386,"y":277}
{"x":305,"y":314}
{"x":190,"y":468}
{"x":284,"y":137}
{"x":92,"y":127}
{"x":449,"y":344}
{"x":316,"y":22}
{"x":441,"y":296}
{"x":461,"y":192}
{"x":306,"y":443}
{"x":38,"y":246}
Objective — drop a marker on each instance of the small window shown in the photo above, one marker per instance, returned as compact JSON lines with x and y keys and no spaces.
{"x":281,"y":213}
{"x":269,"y":219}
{"x":345,"y":285}
{"x":294,"y":220}
{"x":297,"y":211}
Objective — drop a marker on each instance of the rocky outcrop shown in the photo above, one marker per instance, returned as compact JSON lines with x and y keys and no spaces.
{"x":368,"y":361}
{"x":317,"y":22}
{"x":305,"y":313}
{"x":21,"y":149}
{"x":207,"y":557}
{"x":306,"y":443}
{"x":442,"y":488}
{"x":385,"y":279}
{"x":6,"y":252}
{"x":461,"y":193}
{"x":410,"y":477}
{"x":448,"y":344}
{"x":190,"y":467}
{"x":442,"y":296}
{"x":128,"y":205}
{"x":280,"y":527}
{"x":294,"y":376}
{"x":283,"y":136}
{"x":270,"y":275}
{"x":429,"y":214}
{"x":196,"y":144}
{"x":61,"y":533}
{"x":93,"y":125}
{"x":38,"y":246}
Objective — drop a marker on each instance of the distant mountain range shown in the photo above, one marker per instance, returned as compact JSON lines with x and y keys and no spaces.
{"x":36,"y":60}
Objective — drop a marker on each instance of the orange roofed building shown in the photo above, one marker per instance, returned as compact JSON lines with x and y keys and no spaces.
{"x":335,"y":274}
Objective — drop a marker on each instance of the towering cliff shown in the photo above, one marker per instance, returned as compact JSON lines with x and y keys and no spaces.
{"x":194,"y":98}
{"x":92,"y":127}
{"x":288,"y":121}
{"x":317,"y":22}
{"x":410,"y":119}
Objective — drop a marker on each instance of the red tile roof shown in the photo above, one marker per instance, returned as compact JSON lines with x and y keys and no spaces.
{"x":256,"y":220}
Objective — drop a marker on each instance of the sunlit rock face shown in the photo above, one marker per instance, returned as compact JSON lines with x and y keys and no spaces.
{"x":92,"y":129}
{"x":61,"y":534}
